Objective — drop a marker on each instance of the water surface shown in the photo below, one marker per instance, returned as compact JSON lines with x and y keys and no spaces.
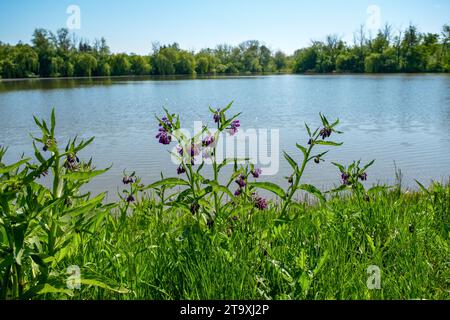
{"x":391,"y":118}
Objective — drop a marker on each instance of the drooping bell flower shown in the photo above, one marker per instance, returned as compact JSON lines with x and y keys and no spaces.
{"x":216,"y":116}
{"x":259,"y":202}
{"x":233,"y":129}
{"x":241,"y":181}
{"x":256,"y":172}
{"x":163,"y":136}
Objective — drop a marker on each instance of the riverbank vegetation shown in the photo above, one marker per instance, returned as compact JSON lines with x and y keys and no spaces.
{"x":191,"y":237}
{"x":63,"y":55}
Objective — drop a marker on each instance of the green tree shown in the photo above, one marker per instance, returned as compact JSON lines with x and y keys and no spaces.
{"x":139,"y":65}
{"x":120,"y":64}
{"x":85,"y":64}
{"x":280,"y":61}
{"x":305,"y":60}
{"x":412,"y":58}
{"x":185,"y":63}
{"x":45,"y":50}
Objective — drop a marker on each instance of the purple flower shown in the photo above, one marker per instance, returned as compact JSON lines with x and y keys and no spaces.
{"x":180,"y":170}
{"x":238,"y":192}
{"x":256,"y":172}
{"x":217,"y":116}
{"x":325,"y":133}
{"x":163,"y":136}
{"x":180,"y":150}
{"x":241,"y":181}
{"x":260,"y":203}
{"x":209,"y":140}
{"x":166,"y":122}
{"x":193,"y":150}
{"x":233,"y":129}
{"x":345,"y":176}
{"x":363,"y":176}
{"x":127,"y":180}
{"x":194,"y":208}
{"x":130,"y":198}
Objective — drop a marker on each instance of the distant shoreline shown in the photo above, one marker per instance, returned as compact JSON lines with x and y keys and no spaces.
{"x":225,"y":75}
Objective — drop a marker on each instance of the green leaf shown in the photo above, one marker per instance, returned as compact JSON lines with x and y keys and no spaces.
{"x":13,"y":166}
{"x":340,"y":166}
{"x":308,"y":129}
{"x":321,"y":262}
{"x":335,"y":123}
{"x":367,"y":165}
{"x":291,"y":161}
{"x":53,"y":122}
{"x":81,"y":176}
{"x":377,"y":189}
{"x":329,"y":143}
{"x":50,"y":289}
{"x":87,"y":206}
{"x":97,"y":283}
{"x":228,"y":106}
{"x":168,"y":182}
{"x":303,"y":149}
{"x":269,"y":186}
{"x":338,"y":189}
{"x":422,"y":187}
{"x":371,"y":243}
{"x":313,"y":190}
{"x":217,"y":187}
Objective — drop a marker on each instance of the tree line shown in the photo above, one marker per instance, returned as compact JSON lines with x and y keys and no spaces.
{"x":61,"y":54}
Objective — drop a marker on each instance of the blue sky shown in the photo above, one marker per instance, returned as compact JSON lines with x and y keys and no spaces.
{"x":132,"y":25}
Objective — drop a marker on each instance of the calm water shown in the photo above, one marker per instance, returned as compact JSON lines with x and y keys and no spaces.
{"x":391,"y":118}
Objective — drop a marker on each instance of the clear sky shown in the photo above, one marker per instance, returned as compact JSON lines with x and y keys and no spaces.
{"x":132,"y":25}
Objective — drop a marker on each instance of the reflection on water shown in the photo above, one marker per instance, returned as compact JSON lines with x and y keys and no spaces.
{"x":401,"y":118}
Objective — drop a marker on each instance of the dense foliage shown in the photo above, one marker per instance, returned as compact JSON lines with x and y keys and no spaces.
{"x":62,"y":55}
{"x":190,"y":237}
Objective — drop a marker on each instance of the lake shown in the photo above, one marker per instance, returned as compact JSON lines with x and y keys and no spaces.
{"x":401,"y":119}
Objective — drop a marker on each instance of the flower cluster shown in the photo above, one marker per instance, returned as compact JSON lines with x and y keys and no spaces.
{"x":181,"y":169}
{"x":259,"y":202}
{"x":164,"y":136}
{"x":345,"y":178}
{"x":256,"y":172}
{"x":233,"y":129}
{"x":241,"y":181}
{"x":127,"y":179}
{"x":48,"y":144}
{"x":217,"y":116}
{"x":325,"y":133}
{"x":208,"y":141}
{"x":164,"y":131}
{"x":72,"y":162}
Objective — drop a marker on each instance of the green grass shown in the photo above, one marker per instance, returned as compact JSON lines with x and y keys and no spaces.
{"x":322,"y":253}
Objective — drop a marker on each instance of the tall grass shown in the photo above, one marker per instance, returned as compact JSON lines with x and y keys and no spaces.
{"x":204,"y":242}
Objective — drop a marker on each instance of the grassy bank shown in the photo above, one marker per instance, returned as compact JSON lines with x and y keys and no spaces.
{"x":188,"y":237}
{"x":322,"y":253}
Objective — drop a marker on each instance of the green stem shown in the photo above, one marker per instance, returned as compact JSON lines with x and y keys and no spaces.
{"x":298,"y":176}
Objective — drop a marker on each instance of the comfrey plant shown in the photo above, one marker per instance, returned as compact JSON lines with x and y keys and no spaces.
{"x":352,"y":177}
{"x":205,"y":197}
{"x":318,"y":137}
{"x":39,"y":226}
{"x":201,"y":196}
